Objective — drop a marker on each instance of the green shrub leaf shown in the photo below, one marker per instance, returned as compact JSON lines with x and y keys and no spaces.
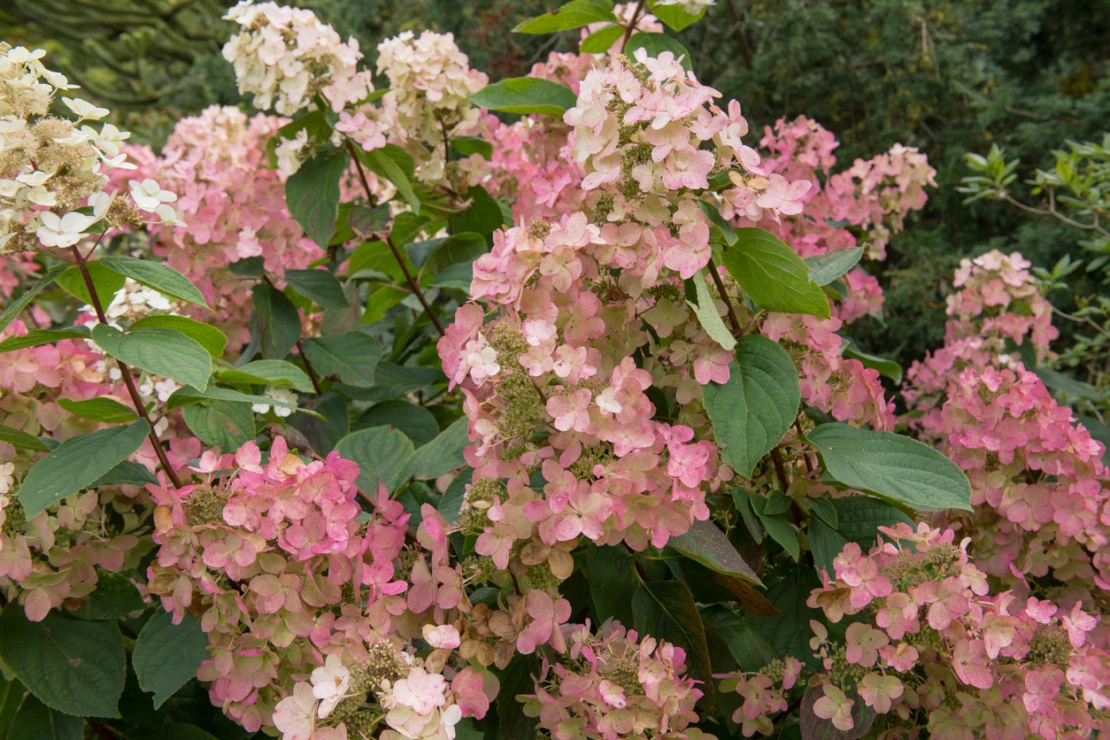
{"x":100,"y":409}
{"x":163,"y":352}
{"x":156,"y":275}
{"x":167,"y":655}
{"x":312,"y":194}
{"x":209,"y":337}
{"x":353,"y":357}
{"x":382,"y":455}
{"x":575,"y":14}
{"x":526,"y":95}
{"x":773,"y":275}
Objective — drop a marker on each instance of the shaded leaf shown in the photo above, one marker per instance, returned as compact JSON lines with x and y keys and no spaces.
{"x":221,"y":424}
{"x":353,"y":357}
{"x":443,"y":454}
{"x":382,"y":455}
{"x":168,"y":655}
{"x":319,"y":285}
{"x":708,"y":545}
{"x":824,"y":268}
{"x":156,"y":275}
{"x":278,"y":321}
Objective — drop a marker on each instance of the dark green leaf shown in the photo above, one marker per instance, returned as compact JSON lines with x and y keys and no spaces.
{"x":22,"y":440}
{"x":789,"y":631}
{"x":168,"y":655}
{"x":312,"y":194}
{"x":824,"y":268}
{"x":77,"y":463}
{"x":892,"y":466}
{"x":517,"y":678}
{"x":279,"y":322}
{"x":773,"y":275}
{"x":826,"y":543}
{"x":126,"y":473}
{"x":99,"y":409}
{"x":526,"y":95}
{"x":185,"y":396}
{"x":36,"y":721}
{"x":602,"y":40}
{"x":779,"y":528}
{"x":248,"y":267}
{"x":353,"y":357}
{"x":11,"y":695}
{"x":708,"y":545}
{"x":163,"y":352}
{"x":575,"y":14}
{"x":465,"y":247}
{"x":209,"y":337}
{"x":383,"y":164}
{"x":319,"y":285}
{"x":748,"y":648}
{"x":728,"y":233}
{"x":1057,"y":381}
{"x":484,"y":215}
{"x":886,"y":368}
{"x":470,"y":145}
{"x":156,"y":275}
{"x":753,"y":411}
{"x":613,"y":581}
{"x":666,"y":610}
{"x":451,"y":503}
{"x":859,"y":518}
{"x":459,"y":276}
{"x":365,"y":221}
{"x":28,"y":295}
{"x":743,"y":502}
{"x":443,"y":454}
{"x":416,"y":422}
{"x":657,"y":43}
{"x":825,"y":510}
{"x":221,"y":424}
{"x":107,"y":283}
{"x":184,"y":732}
{"x":382,"y":455}
{"x":70,"y":665}
{"x":268,"y":372}
{"x":324,"y":434}
{"x":37,"y":337}
{"x":114,"y":597}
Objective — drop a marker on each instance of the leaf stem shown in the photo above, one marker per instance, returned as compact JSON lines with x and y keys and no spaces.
{"x":632,"y":24}
{"x":780,"y":469}
{"x":732,"y":317}
{"x":393,"y":247}
{"x":125,"y":371}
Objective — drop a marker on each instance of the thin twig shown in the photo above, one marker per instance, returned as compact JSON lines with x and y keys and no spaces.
{"x":393,"y":247}
{"x":732,"y":317}
{"x":780,"y":469}
{"x":805,"y":455}
{"x":311,"y":370}
{"x":125,"y":371}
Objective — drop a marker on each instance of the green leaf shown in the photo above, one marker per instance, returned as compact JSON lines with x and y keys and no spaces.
{"x":789,"y":631}
{"x":315,"y":123}
{"x":657,"y":43}
{"x":22,"y":440}
{"x":38,"y":337}
{"x":163,"y":352}
{"x":824,"y":268}
{"x":825,"y":510}
{"x":465,"y":247}
{"x":753,"y":410}
{"x":443,"y":454}
{"x":728,"y":233}
{"x":324,"y":434}
{"x":77,"y":463}
{"x":107,"y":283}
{"x":673,"y":15}
{"x":268,"y":372}
{"x":575,"y":14}
{"x":388,"y":168}
{"x":382,"y":455}
{"x":470,"y":145}
{"x":825,"y":543}
{"x":666,"y":610}
{"x":459,"y":276}
{"x":892,"y":466}
{"x":11,"y":695}
{"x":451,"y":503}
{"x":484,"y":216}
{"x":380,"y":301}
{"x":526,"y":95}
{"x":365,"y":221}
{"x":1057,"y":381}
{"x":16,"y":307}
{"x":114,"y":597}
{"x":185,"y":396}
{"x":613,"y":581}
{"x":319,"y":285}
{"x":516,"y":679}
{"x":886,"y":368}
{"x":36,"y":721}
{"x":708,"y":545}
{"x":748,"y":648}
{"x":156,"y":275}
{"x":221,"y":424}
{"x":353,"y":357}
{"x":779,"y":528}
{"x":416,"y":422}
{"x":312,"y":194}
{"x":743,"y":502}
{"x":706,"y":311}
{"x":178,"y":731}
{"x":209,"y":337}
{"x":168,"y":655}
{"x":278,"y":320}
{"x":126,"y":473}
{"x":602,"y":40}
{"x":773,"y":275}
{"x":100,"y":409}
{"x":248,"y":267}
{"x":70,"y":665}
{"x":859,"y":518}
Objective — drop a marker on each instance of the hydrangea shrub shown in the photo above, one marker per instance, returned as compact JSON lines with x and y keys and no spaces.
{"x":459,"y":409}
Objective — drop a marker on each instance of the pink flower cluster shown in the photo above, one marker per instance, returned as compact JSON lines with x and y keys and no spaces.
{"x":233,"y":206}
{"x":764,"y":694}
{"x":935,"y":649}
{"x":616,"y":685}
{"x":285,"y":55}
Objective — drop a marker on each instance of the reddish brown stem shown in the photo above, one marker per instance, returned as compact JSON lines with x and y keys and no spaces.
{"x":805,"y":455}
{"x":125,"y":371}
{"x":780,"y":469}
{"x":393,"y":247}
{"x":632,"y":24}
{"x":311,"y":370}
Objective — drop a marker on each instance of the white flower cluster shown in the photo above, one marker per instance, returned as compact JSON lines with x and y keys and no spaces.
{"x":429,"y":83}
{"x":52,"y":175}
{"x":693,"y":7}
{"x":278,"y":394}
{"x":286,"y":55}
{"x":135,"y":301}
